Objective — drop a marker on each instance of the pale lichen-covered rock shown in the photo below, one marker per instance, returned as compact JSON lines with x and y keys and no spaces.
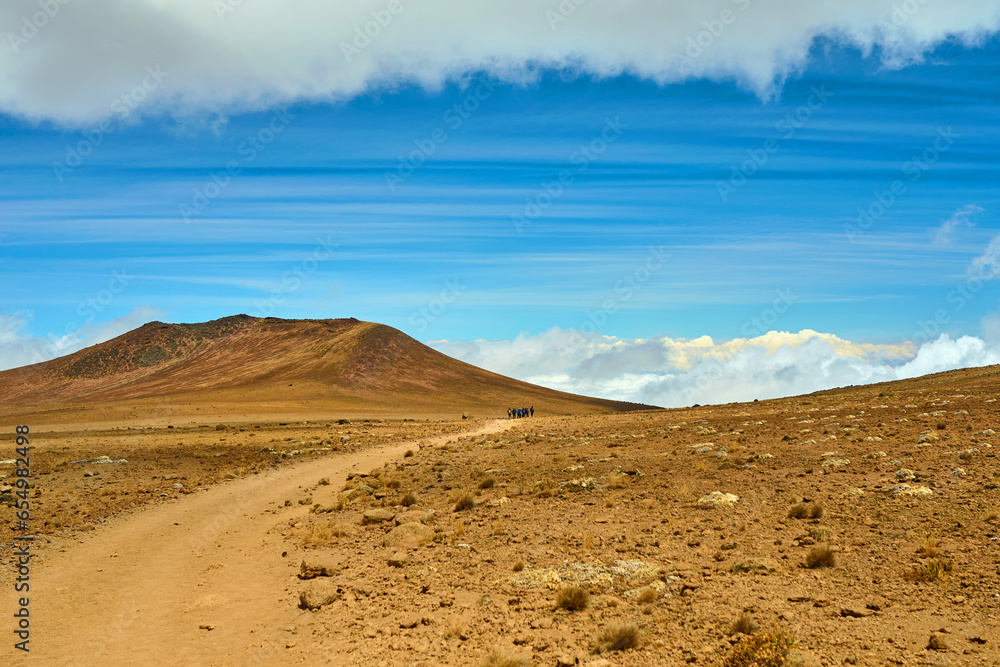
{"x":718,"y":499}
{"x":907,"y":490}
{"x":905,"y":475}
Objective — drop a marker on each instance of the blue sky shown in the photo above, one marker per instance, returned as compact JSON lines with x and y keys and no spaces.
{"x":687,"y":208}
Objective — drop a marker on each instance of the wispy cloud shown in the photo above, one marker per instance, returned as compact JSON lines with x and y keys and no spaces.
{"x":20,"y":347}
{"x":963,"y":217}
{"x":74,"y":65}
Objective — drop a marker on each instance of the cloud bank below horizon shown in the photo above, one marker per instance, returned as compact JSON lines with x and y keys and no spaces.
{"x":75,"y":63}
{"x":677,"y":372}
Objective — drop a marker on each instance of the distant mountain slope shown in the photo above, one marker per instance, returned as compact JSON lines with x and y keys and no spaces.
{"x":352,"y":364}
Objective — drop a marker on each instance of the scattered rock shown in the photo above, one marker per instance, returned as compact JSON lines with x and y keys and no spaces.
{"x":937,"y":642}
{"x":398,"y":559}
{"x":318,"y":595}
{"x":905,"y":475}
{"x":377,"y":516}
{"x":313,"y":570}
{"x":412,"y":516}
{"x":718,"y":499}
{"x":408,"y":534}
{"x":907,"y":490}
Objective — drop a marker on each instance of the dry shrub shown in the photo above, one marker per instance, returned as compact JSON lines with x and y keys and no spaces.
{"x":320,"y":534}
{"x":498,"y":528}
{"x":518,"y":566}
{"x":487,"y":483}
{"x":616,"y":480}
{"x":500,"y":658}
{"x":648,"y":595}
{"x":932,"y":571}
{"x":765,"y":649}
{"x":930,"y":548}
{"x":408,"y":500}
{"x":464,"y":501}
{"x":618,"y":637}
{"x":807,"y":511}
{"x":393,"y":484}
{"x":408,"y":454}
{"x":744,"y":625}
{"x":821,"y":556}
{"x":573,"y":598}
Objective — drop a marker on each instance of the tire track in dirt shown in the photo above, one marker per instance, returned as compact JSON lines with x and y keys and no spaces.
{"x":137,"y":590}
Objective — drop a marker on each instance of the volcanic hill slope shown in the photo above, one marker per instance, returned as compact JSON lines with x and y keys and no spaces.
{"x":243,"y":366}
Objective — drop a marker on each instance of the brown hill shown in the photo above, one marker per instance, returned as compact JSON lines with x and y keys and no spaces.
{"x":246,"y":366}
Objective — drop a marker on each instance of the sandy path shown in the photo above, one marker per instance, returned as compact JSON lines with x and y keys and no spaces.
{"x":135,"y":591}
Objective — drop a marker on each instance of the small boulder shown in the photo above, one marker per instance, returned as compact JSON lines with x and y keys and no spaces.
{"x":377,"y":516}
{"x":319,"y":595}
{"x":313,"y":570}
{"x":408,"y":534}
{"x":418,"y":516}
{"x":398,"y":559}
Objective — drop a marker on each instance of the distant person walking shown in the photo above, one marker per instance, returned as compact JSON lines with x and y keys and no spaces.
{"x":531,"y":410}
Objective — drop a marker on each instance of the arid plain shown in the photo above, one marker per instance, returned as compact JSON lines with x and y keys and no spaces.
{"x":861,"y":525}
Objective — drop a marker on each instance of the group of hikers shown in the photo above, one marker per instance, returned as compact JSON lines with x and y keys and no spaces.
{"x":517,"y":413}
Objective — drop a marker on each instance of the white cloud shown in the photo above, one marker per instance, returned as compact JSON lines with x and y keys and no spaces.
{"x":678,"y":372}
{"x":960,"y":218}
{"x":19,"y":347}
{"x":71,"y":63}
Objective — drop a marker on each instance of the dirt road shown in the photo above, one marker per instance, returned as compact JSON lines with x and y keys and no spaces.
{"x":145,"y":589}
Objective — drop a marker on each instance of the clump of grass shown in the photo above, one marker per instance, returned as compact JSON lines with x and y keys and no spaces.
{"x":966,"y":456}
{"x":408,"y":500}
{"x":321,"y":534}
{"x":616,"y":480}
{"x":930,"y":548}
{"x":393,"y":484}
{"x":765,"y":649}
{"x":648,"y":595}
{"x":820,"y":534}
{"x":618,"y":637}
{"x":408,"y":454}
{"x":821,"y":556}
{"x":487,"y":483}
{"x":744,"y":625}
{"x":518,"y":566}
{"x":807,"y":511}
{"x":499,"y":658}
{"x":573,"y":598}
{"x":932,"y":571}
{"x":464,"y":501}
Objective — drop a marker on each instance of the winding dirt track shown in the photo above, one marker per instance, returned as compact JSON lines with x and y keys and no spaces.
{"x":137,"y":590}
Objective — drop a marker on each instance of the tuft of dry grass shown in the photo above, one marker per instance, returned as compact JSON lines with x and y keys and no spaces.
{"x":821,"y":556}
{"x":765,"y":649}
{"x":464,"y":501}
{"x":500,"y":658}
{"x":518,"y":566}
{"x":487,"y":483}
{"x":744,"y":625}
{"x":408,"y":500}
{"x":321,"y":534}
{"x":616,"y":480}
{"x":807,"y":511}
{"x":930,"y":548}
{"x":648,"y":595}
{"x":618,"y":637}
{"x":572,"y":598}
{"x":408,"y":454}
{"x":932,"y":571}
